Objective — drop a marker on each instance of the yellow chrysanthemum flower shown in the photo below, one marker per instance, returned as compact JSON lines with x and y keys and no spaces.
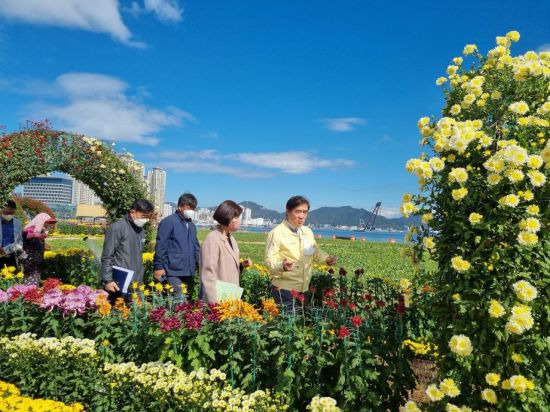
{"x":533,"y":210}
{"x":527,"y":238}
{"x":459,"y":194}
{"x":434,"y":393}
{"x":428,"y":242}
{"x":510,"y":200}
{"x":489,"y":395}
{"x":525,"y":291}
{"x":427,"y":217}
{"x":517,"y":358}
{"x":458,"y":175}
{"x":492,"y":379}
{"x":459,"y":264}
{"x":496,"y":310}
{"x":475,"y":218}
{"x":461,"y":345}
{"x":537,"y":178}
{"x":449,"y":388}
{"x":469,"y":49}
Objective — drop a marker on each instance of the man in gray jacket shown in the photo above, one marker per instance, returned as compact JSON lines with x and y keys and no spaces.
{"x":124,"y":241}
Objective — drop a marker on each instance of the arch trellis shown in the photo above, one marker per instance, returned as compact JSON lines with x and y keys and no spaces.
{"x":29,"y":153}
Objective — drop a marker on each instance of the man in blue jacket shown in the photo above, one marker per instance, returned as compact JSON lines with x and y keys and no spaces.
{"x":177,"y":249}
{"x":11,"y":236}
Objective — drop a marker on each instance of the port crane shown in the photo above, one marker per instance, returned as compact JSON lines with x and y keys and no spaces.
{"x":369,"y":224}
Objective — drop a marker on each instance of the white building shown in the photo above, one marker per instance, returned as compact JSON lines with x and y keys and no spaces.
{"x":156,"y":179}
{"x":137,"y":169}
{"x":52,"y":190}
{"x":247,"y":215}
{"x":167,"y":210}
{"x":84,"y":195}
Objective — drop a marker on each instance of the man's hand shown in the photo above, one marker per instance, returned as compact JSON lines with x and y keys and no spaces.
{"x":331,"y":261}
{"x":288,"y":265}
{"x":2,"y":253}
{"x":247,"y":263}
{"x":159,"y":273}
{"x":111,"y":287}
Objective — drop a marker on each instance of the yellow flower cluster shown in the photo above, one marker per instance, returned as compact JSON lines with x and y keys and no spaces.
{"x":26,"y":344}
{"x":461,"y":345}
{"x":420,"y":348}
{"x":411,"y":406}
{"x":525,"y":291}
{"x":447,"y":387}
{"x":518,"y":383}
{"x":269,"y":306}
{"x":323,"y":404}
{"x":49,"y":254}
{"x":520,"y":320}
{"x":11,"y":400}
{"x":8,"y":273}
{"x":459,"y":264}
{"x":209,"y":389}
{"x":232,"y":309}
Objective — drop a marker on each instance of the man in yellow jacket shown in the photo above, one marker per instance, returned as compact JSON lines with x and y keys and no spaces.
{"x":290,"y":252}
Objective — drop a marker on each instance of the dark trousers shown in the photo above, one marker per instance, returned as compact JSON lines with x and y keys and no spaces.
{"x":176,"y":282}
{"x":8,"y":261}
{"x":289,"y":304}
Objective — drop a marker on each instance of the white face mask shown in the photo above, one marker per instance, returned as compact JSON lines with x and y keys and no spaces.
{"x":7,"y":217}
{"x":140,"y":222}
{"x":189,"y":214}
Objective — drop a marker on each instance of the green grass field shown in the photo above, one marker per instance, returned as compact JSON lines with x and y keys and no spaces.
{"x":377,"y":259}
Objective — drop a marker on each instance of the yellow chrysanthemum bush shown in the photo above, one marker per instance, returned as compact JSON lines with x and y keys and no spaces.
{"x":484,"y":182}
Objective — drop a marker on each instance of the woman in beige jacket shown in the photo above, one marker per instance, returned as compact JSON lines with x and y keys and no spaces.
{"x":220,"y":252}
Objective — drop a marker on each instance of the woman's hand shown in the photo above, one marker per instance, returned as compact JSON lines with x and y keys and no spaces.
{"x":331,"y":261}
{"x":247,"y":263}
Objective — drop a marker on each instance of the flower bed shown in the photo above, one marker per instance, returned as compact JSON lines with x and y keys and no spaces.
{"x":348,"y":344}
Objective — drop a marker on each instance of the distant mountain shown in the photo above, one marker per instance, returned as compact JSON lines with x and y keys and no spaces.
{"x":260,"y":211}
{"x":336,"y":216}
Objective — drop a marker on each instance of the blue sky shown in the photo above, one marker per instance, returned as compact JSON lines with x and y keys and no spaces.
{"x":251,"y":100}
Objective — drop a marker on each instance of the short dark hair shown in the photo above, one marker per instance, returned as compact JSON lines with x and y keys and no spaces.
{"x":187,"y":199}
{"x":143,"y":206}
{"x":296,"y":201}
{"x":226,"y":212}
{"x":10,"y":204}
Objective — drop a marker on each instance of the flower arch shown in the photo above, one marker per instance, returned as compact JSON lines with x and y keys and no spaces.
{"x":39,"y":150}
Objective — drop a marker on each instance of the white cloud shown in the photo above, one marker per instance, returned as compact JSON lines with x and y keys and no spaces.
{"x":238,"y":164}
{"x":390,"y":212}
{"x":343,"y":124}
{"x":100,"y":106}
{"x":291,"y":162}
{"x":166,"y":10}
{"x":101,"y":16}
{"x":544,"y":47}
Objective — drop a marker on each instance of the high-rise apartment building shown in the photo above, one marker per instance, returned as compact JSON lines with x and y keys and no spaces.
{"x":156,"y":179}
{"x":137,"y":169}
{"x":84,"y":195}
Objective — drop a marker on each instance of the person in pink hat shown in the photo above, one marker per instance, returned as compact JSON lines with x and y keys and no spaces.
{"x":34,"y":235}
